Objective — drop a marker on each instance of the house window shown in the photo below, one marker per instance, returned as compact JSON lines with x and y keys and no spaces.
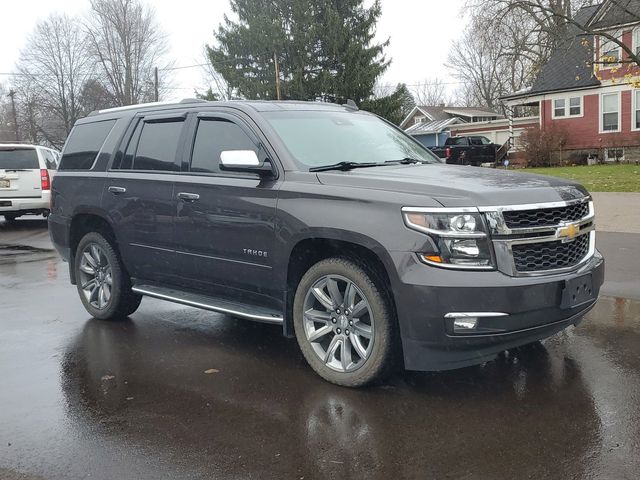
{"x":559,"y":107}
{"x":636,"y":41}
{"x":575,"y":106}
{"x":610,"y":112}
{"x":418,"y":120}
{"x":614,"y":154}
{"x":636,"y":110}
{"x":610,"y":53}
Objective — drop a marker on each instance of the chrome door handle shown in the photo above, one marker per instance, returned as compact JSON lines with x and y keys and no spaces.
{"x":117,"y":190}
{"x":188,"y":197}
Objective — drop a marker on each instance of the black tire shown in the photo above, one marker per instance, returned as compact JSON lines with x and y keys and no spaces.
{"x":122,"y":301}
{"x":380,"y":360}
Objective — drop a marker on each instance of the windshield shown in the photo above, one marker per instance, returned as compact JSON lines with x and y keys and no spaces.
{"x":317,"y":139}
{"x":18,"y":158}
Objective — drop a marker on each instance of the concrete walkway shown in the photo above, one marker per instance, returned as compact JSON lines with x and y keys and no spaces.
{"x":617,"y":212}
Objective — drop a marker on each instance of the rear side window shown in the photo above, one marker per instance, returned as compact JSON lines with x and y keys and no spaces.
{"x":84,"y":144}
{"x":50,"y":159}
{"x":157,"y":146}
{"x":18,"y":158}
{"x":214,"y":137}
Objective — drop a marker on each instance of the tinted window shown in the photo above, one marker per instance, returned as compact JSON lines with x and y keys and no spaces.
{"x":18,"y":158}
{"x":157,"y":146}
{"x":456,"y":141}
{"x":475,"y":141}
{"x":127,"y":159}
{"x":214,"y":137}
{"x":83,"y":145}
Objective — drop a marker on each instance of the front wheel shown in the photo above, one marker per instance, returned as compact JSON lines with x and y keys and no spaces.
{"x":344,"y":323}
{"x":103,"y":284}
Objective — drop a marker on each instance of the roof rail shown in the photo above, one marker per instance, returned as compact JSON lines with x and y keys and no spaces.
{"x":144,"y":105}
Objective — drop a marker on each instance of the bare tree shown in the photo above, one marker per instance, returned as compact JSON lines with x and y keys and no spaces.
{"x":430,"y":92}
{"x":218,"y":87}
{"x":7,"y":131}
{"x":547,"y":21}
{"x":476,"y":63}
{"x":127,"y":44}
{"x":52,"y":70}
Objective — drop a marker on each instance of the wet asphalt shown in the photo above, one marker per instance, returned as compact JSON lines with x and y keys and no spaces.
{"x":81,"y":398}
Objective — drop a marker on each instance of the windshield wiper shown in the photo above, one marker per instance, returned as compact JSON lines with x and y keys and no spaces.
{"x":406,"y":161}
{"x":344,"y":166}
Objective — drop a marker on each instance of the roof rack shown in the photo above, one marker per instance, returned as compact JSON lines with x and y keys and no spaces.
{"x":144,"y":105}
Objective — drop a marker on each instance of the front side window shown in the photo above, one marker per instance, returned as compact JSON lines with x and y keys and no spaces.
{"x":213,"y":137}
{"x":320,"y":138}
{"x":158,"y":145}
{"x":609,"y":104}
{"x":559,"y":107}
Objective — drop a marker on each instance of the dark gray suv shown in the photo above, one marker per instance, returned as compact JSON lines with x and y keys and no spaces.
{"x":326,"y":220}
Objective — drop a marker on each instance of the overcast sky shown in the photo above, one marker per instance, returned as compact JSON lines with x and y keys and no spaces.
{"x":421,"y":32}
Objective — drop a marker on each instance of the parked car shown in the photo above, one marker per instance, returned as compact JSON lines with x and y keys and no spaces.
{"x":327,"y":221}
{"x":25,"y":179}
{"x":471,"y":150}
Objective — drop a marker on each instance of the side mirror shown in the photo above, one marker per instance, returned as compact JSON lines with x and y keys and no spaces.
{"x":243,"y":161}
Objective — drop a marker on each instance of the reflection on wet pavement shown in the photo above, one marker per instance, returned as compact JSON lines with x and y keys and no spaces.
{"x":84,"y":398}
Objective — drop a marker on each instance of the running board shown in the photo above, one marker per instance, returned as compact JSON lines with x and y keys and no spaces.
{"x":205,"y":302}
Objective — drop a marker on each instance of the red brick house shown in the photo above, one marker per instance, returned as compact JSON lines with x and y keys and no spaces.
{"x":589,"y":90}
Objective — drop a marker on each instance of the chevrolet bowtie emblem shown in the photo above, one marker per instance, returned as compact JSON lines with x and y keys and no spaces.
{"x":569,"y":232}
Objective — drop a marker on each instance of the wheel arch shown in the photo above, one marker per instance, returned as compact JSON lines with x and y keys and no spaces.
{"x":82,"y":223}
{"x":311,"y":249}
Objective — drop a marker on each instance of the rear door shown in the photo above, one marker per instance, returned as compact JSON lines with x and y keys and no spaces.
{"x":19,"y":172}
{"x":139,"y":195}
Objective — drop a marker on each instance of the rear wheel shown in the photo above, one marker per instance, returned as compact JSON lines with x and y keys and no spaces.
{"x":344,"y":324}
{"x":103,"y":284}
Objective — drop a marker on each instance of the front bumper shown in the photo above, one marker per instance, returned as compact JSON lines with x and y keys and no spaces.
{"x":425,"y":295}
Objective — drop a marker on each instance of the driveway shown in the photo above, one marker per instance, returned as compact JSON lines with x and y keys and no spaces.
{"x":83,"y":398}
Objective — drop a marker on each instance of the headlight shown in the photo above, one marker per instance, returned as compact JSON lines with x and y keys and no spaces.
{"x":461,"y":237}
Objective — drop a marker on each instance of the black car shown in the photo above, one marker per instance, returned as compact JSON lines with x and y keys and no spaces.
{"x":468,"y":150}
{"x":326,"y":220}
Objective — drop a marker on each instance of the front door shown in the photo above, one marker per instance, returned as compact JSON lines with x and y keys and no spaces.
{"x":225,"y":221}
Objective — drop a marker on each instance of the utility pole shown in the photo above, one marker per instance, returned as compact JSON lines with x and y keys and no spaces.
{"x":12,"y":94}
{"x":155,"y":84}
{"x":275,"y":61}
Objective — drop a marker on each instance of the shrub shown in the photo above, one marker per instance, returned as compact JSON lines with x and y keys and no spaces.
{"x":540,"y":145}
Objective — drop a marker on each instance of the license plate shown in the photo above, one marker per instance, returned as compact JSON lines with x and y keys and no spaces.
{"x":577,"y":291}
{"x":5,"y":183}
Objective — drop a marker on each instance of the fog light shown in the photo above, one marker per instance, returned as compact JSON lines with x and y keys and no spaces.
{"x":464,"y":324}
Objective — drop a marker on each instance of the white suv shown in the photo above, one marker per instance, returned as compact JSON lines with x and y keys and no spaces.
{"x":25,"y":179}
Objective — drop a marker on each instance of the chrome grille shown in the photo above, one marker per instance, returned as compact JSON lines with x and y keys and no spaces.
{"x":535,"y":257}
{"x":542,"y":239}
{"x":545,"y":217}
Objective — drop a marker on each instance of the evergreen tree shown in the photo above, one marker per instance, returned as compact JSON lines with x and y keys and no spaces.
{"x":394,"y":107}
{"x":324,"y":49}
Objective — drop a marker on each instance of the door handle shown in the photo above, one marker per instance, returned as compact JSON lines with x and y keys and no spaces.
{"x":117,"y":190}
{"x":188,"y":197}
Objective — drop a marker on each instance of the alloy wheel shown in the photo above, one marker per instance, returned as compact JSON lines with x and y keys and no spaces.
{"x":338,"y":323}
{"x":95,"y":276}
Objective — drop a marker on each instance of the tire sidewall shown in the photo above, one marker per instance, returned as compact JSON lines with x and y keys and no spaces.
{"x":383,"y":342}
{"x":116,"y":276}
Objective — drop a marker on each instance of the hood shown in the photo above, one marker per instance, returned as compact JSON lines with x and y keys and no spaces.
{"x":459,"y":186}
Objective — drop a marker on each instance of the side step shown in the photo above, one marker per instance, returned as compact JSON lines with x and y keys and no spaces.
{"x":205,"y":302}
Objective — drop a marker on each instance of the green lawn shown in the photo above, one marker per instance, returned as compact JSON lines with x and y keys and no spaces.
{"x":598,"y":178}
